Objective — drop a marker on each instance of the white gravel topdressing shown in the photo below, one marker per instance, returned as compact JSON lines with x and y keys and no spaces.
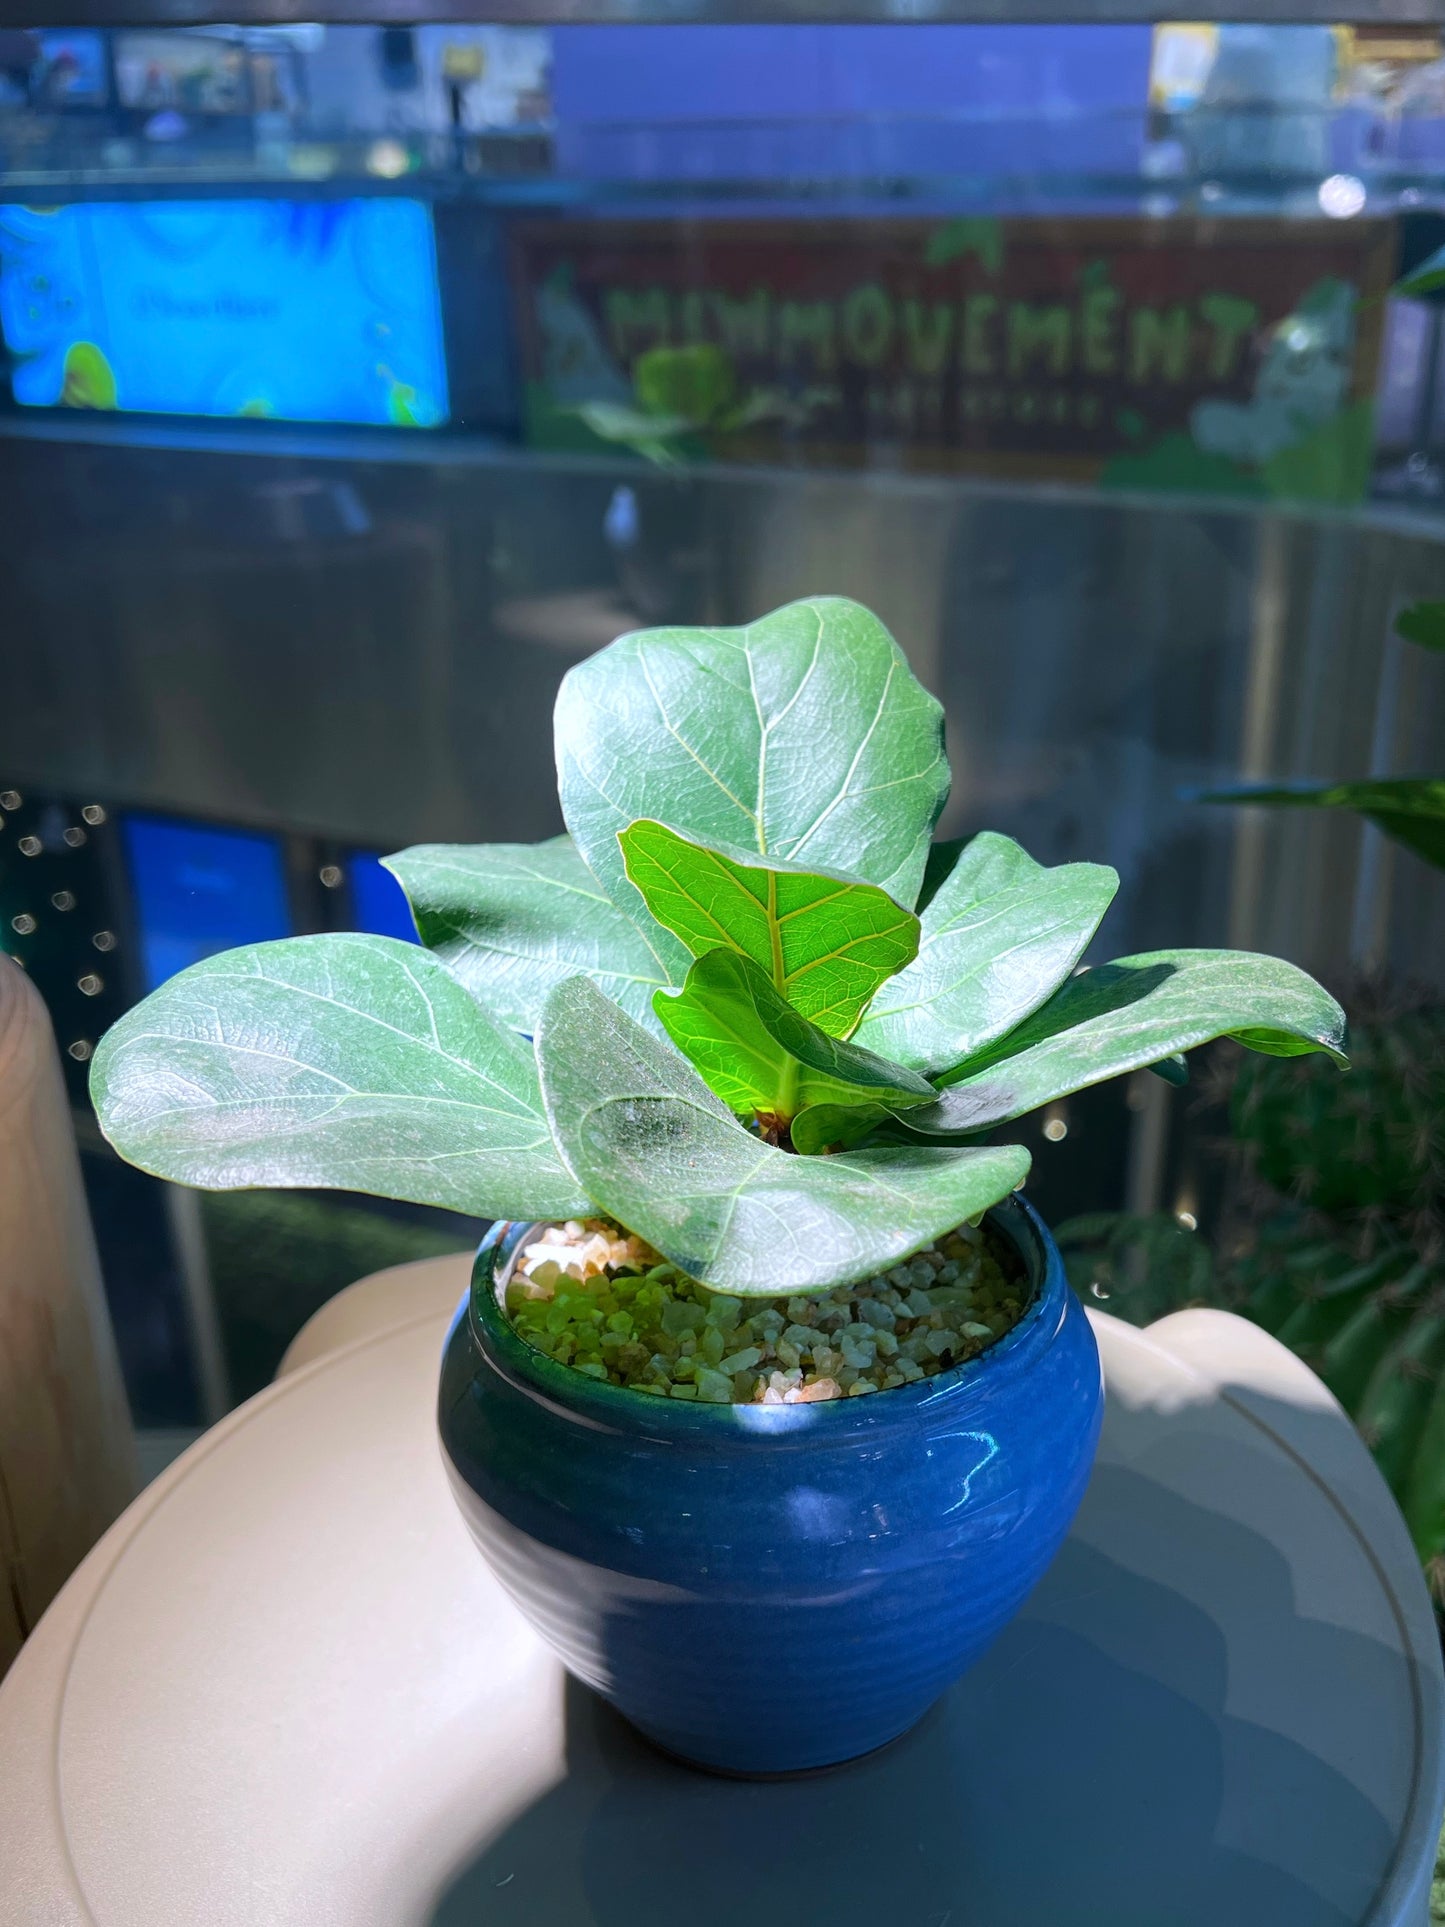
{"x":594,"y":1297}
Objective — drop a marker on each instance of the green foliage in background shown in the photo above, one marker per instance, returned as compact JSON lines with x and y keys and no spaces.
{"x":1423,"y":622}
{"x":1372,"y":1143}
{"x":1341,"y":1249}
{"x":979,"y":236}
{"x":679,"y":395}
{"x":1423,"y":281}
{"x":1411,"y":809}
{"x":275,"y":1257}
{"x":745,"y":1007}
{"x":1352,"y":1273}
{"x":1138,"y":1265}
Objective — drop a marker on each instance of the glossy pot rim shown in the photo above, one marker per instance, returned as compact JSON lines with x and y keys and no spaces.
{"x":592,"y":1402}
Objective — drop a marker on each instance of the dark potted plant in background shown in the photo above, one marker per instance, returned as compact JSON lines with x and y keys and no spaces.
{"x":719,"y":1062}
{"x":1332,"y":1235}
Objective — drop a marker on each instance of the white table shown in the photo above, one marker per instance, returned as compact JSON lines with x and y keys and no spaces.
{"x":284,"y":1691}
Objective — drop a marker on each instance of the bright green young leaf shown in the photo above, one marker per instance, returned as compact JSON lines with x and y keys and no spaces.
{"x":802,"y":736}
{"x":1409,"y":809}
{"x":761,"y":1057}
{"x":1423,"y":623}
{"x":645,"y":1136}
{"x":1122,"y":1016}
{"x":826,"y":941}
{"x":1000,"y":934}
{"x":513,"y":919}
{"x":352,"y":1061}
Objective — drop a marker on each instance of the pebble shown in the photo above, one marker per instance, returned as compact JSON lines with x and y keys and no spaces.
{"x":605,"y":1303}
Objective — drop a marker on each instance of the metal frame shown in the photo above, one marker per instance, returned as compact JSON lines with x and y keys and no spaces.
{"x":181,"y":13}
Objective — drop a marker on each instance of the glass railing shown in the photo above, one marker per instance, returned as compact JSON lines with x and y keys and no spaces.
{"x":459,"y":155}
{"x":357,"y":383}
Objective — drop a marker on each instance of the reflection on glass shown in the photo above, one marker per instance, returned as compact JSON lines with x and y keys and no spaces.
{"x":304,"y":311}
{"x":1070,"y":350}
{"x":199,"y":890}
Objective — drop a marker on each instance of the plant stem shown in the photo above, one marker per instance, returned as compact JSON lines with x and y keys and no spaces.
{"x":786,"y":1101}
{"x":775,"y":1130}
{"x":775,"y":933}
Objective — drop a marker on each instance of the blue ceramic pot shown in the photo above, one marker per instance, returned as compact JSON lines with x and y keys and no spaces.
{"x":766,"y":1588}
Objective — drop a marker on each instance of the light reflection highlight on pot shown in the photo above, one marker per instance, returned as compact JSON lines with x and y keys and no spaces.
{"x":815,"y":1514}
{"x":989,"y":1445}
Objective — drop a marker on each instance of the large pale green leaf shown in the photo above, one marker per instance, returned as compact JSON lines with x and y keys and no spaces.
{"x":826,"y":941}
{"x":1000,"y":934}
{"x":803,"y":736}
{"x":513,"y":919}
{"x":1134,"y":1012}
{"x":759,"y":1056}
{"x":645,"y":1136}
{"x":1408,"y":808}
{"x":348,"y":1061}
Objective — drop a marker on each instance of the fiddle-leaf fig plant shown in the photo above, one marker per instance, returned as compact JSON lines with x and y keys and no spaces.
{"x":745,"y":1008}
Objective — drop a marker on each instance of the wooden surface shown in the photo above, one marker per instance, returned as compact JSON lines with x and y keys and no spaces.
{"x":67,"y":1456}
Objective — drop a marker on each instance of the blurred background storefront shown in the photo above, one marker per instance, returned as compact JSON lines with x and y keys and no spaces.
{"x":359,"y":379}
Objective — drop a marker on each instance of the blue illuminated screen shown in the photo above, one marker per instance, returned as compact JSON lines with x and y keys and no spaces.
{"x":378,"y":904}
{"x":198,"y":890}
{"x":325,"y":311}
